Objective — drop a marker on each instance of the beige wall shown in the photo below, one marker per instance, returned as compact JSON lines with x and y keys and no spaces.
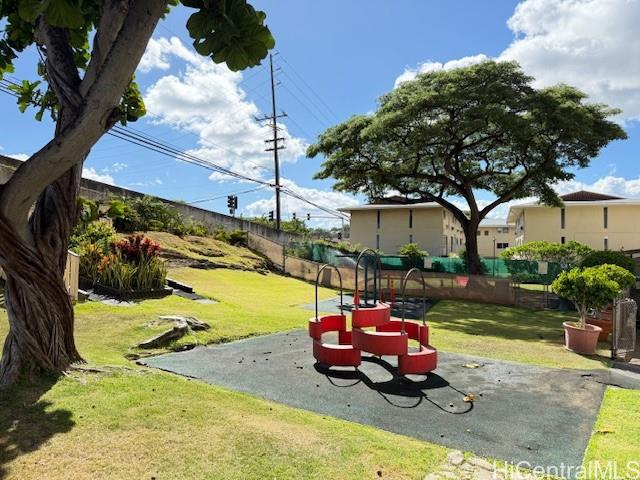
{"x":583,"y":223}
{"x":503,"y":239}
{"x":430,"y":226}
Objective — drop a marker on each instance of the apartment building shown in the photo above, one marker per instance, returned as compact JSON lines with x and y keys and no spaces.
{"x":493,"y":236}
{"x":604,"y":222}
{"x":388,"y":227}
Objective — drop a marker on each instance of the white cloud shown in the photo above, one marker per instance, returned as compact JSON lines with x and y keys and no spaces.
{"x":618,"y":186}
{"x":207,"y":100}
{"x":116,"y":167}
{"x":155,"y":181}
{"x":411,"y":73}
{"x":158,"y":52}
{"x":92,"y":174}
{"x":325,"y":198}
{"x":19,"y":156}
{"x":590,"y":44}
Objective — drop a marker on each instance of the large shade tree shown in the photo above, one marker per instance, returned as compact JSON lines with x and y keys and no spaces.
{"x":89,"y":51}
{"x":455,"y":133}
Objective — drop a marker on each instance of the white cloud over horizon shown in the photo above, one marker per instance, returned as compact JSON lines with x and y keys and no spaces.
{"x":207,"y":100}
{"x":324,"y":198}
{"x":92,"y":174}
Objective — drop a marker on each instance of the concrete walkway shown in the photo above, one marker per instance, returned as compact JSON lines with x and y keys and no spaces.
{"x":520,"y":413}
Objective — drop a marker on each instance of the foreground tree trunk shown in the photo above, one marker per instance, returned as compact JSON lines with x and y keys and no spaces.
{"x":41,"y":319}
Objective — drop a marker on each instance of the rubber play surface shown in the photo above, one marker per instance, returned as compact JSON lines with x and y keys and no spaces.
{"x":520,"y":412}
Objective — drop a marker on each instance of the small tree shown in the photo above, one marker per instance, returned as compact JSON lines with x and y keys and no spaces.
{"x":455,"y":133}
{"x":413,"y":251}
{"x":592,"y":287}
{"x":88,"y":51}
{"x":567,"y":254}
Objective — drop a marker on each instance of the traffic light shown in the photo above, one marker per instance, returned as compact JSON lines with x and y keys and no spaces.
{"x":308,"y":216}
{"x":232,"y":203}
{"x":294,"y":215}
{"x":271,"y":216}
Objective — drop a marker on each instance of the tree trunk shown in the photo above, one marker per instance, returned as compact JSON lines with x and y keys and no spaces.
{"x":474,"y":265}
{"x":40,"y":338}
{"x":40,"y":312}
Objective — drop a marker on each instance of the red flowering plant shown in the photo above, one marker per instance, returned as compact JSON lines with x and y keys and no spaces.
{"x":136,"y":248}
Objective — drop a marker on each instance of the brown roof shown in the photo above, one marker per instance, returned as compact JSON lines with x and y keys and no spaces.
{"x":584,"y":196}
{"x":395,"y":200}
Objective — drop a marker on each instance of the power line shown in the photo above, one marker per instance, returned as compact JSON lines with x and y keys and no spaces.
{"x":169,"y":151}
{"x":217,"y":197}
{"x":310,"y":88}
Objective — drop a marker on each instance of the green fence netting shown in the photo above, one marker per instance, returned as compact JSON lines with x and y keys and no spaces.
{"x":521,"y":271}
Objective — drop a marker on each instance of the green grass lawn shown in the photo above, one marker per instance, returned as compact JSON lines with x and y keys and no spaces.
{"x":616,"y":436}
{"x":506,"y":333}
{"x":132,"y":422}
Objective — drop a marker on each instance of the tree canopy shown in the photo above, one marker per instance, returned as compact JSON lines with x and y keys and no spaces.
{"x":453,"y":133}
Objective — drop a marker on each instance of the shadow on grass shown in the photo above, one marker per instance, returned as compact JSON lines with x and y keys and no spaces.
{"x":27,"y":421}
{"x":498,"y":321}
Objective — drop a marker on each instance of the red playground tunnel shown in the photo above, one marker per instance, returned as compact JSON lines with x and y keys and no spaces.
{"x":373,"y":329}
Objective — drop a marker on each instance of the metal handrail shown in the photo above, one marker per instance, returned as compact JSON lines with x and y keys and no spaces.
{"x":424,"y":295}
{"x":379,"y":265}
{"x":318,"y":280}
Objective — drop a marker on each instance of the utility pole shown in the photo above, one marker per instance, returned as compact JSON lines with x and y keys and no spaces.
{"x":277,"y":142}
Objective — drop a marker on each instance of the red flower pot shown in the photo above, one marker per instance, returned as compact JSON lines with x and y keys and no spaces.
{"x":581,"y":340}
{"x":605,"y":325}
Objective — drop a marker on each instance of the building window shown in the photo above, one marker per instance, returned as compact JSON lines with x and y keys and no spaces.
{"x":605,"y":213}
{"x":378,"y":241}
{"x":410,"y":238}
{"x":486,"y":233}
{"x":502,"y":245}
{"x":562,"y":215}
{"x":378,"y":218}
{"x":562,"y":240}
{"x":605,"y":243}
{"x":502,"y":230}
{"x":410,"y":218}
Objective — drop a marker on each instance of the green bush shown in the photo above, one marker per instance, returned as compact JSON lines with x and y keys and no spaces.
{"x":592,"y":287}
{"x":99,"y":232}
{"x":568,"y":254}
{"x":413,"y":251}
{"x":609,"y":257}
{"x":232,"y":237}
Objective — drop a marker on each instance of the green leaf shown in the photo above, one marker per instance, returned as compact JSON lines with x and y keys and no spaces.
{"x":29,"y":10}
{"x":64,"y":13}
{"x":199,"y":24}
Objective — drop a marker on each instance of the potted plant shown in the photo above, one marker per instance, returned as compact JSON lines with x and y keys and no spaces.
{"x":603,"y":318}
{"x":589,"y":288}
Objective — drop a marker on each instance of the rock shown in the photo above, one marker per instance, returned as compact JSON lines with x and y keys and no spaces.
{"x":481,"y":463}
{"x":449,"y":475}
{"x":456,"y":457}
{"x":431,"y":476}
{"x":193,"y":322}
{"x":179,"y":331}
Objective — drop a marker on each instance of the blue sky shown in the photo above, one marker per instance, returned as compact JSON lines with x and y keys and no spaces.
{"x":335,"y":59}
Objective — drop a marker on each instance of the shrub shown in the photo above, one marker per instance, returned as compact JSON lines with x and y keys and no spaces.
{"x":99,"y":232}
{"x":609,"y":257}
{"x":413,"y":251}
{"x":568,"y":254}
{"x":592,"y":287}
{"x":232,"y":237}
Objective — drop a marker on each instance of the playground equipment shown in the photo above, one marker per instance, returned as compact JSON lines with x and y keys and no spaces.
{"x":373,"y":329}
